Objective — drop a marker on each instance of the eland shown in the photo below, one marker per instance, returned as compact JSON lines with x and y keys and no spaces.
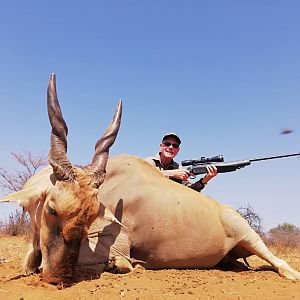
{"x":121,"y":211}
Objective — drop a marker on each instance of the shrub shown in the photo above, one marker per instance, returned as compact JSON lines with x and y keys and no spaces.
{"x":284,"y":237}
{"x":18,"y":223}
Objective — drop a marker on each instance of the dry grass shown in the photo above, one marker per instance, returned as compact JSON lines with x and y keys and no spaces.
{"x":284,"y":244}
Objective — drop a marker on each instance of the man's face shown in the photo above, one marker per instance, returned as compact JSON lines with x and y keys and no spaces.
{"x":169,"y":147}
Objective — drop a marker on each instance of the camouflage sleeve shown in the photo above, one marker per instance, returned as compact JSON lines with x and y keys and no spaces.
{"x":197,"y":186}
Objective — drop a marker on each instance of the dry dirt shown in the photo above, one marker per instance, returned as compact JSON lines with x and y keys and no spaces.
{"x":236,"y":283}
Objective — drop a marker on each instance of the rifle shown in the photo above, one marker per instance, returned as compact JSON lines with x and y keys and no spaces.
{"x":198,"y":166}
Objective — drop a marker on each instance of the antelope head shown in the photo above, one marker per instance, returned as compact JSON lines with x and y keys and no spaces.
{"x":71,"y":204}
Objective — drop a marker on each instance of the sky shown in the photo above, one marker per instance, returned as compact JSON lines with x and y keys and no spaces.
{"x":223,"y":75}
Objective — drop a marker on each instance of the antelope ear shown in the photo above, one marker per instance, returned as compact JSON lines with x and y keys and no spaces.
{"x":33,"y":189}
{"x":21,"y":197}
{"x":108,"y":215}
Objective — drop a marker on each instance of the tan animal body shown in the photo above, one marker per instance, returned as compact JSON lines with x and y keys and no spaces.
{"x":121,"y":210}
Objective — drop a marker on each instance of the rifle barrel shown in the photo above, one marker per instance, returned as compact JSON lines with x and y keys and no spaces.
{"x":274,"y":157}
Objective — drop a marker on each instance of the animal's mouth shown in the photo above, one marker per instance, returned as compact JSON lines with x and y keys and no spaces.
{"x":61,"y":281}
{"x":60,"y":259}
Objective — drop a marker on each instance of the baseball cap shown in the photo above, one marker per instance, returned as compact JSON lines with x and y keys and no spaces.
{"x":172,"y":134}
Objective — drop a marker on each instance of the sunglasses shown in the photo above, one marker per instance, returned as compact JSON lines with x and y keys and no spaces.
{"x":168,"y":144}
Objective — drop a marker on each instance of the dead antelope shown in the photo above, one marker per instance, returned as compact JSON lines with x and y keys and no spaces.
{"x":80,"y":216}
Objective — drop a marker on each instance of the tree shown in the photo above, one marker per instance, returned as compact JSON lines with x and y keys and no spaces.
{"x":284,"y":228}
{"x":254,"y":220}
{"x":18,"y":222}
{"x":14,"y":181}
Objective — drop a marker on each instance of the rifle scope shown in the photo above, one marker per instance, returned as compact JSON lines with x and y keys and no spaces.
{"x":202,"y":160}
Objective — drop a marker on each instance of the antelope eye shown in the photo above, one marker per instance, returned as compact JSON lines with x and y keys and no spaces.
{"x":51,"y":210}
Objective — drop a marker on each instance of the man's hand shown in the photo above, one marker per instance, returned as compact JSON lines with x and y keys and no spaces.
{"x":211,"y":173}
{"x":181,"y":174}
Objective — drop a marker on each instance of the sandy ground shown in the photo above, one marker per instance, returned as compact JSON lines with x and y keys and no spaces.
{"x":236,"y":283}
